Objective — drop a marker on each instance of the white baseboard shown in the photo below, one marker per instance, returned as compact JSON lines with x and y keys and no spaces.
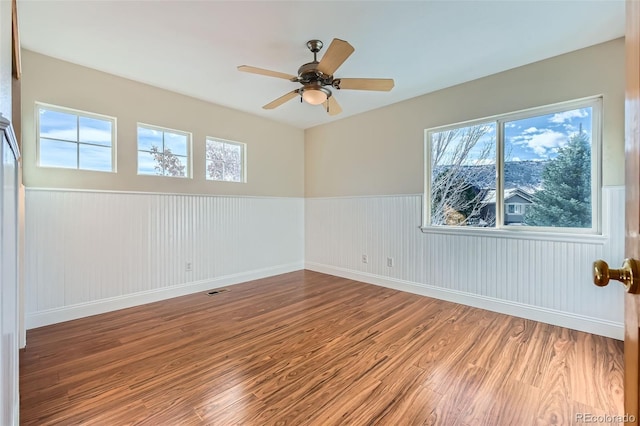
{"x":549,"y":316}
{"x":67,"y":313}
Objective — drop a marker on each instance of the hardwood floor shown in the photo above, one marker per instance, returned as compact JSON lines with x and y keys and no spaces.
{"x":311,"y":349}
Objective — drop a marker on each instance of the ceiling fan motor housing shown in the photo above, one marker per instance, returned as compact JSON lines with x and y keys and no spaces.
{"x":309,"y":72}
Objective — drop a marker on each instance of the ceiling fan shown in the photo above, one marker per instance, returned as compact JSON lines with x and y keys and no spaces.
{"x":317,"y":77}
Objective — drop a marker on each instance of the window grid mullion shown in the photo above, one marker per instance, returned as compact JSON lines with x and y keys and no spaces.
{"x":164,"y":168}
{"x":500,"y":213}
{"x":78,"y":142}
{"x":428,"y":170}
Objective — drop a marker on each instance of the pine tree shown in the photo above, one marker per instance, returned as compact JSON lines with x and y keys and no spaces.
{"x":565,"y":197}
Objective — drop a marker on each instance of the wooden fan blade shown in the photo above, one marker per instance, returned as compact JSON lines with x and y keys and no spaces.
{"x":336,"y":54}
{"x":282,"y":99}
{"x":332,"y":106}
{"x":381,"y":84}
{"x":268,"y":73}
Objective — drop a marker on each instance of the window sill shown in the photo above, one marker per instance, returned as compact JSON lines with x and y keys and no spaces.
{"x":517,"y":234}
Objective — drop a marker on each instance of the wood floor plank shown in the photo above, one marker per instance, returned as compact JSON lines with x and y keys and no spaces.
{"x":310,"y":349}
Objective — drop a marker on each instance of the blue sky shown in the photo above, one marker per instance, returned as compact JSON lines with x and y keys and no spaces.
{"x":59,"y":134}
{"x":530,"y":139}
{"x":538,"y":138}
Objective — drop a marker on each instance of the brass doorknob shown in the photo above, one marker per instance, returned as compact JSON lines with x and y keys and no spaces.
{"x":628,"y":275}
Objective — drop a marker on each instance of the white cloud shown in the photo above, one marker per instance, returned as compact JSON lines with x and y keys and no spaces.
{"x":530,"y":130}
{"x":520,"y":140}
{"x":561,"y":117}
{"x":546,"y":141}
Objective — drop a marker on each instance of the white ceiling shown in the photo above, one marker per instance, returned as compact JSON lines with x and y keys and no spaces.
{"x":194,"y":47}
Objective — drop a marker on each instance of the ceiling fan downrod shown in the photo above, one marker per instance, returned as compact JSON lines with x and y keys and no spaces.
{"x":314,"y":46}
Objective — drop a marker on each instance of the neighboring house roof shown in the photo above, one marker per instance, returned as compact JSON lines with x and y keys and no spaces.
{"x":526,"y":194}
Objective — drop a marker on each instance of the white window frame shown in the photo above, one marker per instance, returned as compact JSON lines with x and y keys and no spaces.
{"x":78,"y":113}
{"x":189,"y":160}
{"x":243,"y":159}
{"x":534,"y":232}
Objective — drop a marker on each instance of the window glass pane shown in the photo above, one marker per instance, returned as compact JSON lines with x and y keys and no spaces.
{"x":463,"y":176}
{"x":58,"y":144}
{"x":95,"y":157}
{"x":162,"y":152}
{"x":58,"y":154}
{"x":232,"y":159}
{"x":176,"y":166}
{"x":214,"y":150}
{"x":176,"y":143}
{"x":233,"y":151}
{"x":147,"y":165}
{"x":148,"y":138}
{"x":548,"y":169}
{"x":58,"y":125}
{"x":95,"y":131}
{"x":224,"y":161}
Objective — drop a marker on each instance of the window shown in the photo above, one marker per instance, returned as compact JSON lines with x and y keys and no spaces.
{"x":516,"y":208}
{"x":163,"y":152}
{"x":75,"y":139}
{"x":225,"y":160}
{"x":537,"y":169}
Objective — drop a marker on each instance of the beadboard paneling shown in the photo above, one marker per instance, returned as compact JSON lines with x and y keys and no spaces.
{"x":88,"y":252}
{"x":540,"y":279}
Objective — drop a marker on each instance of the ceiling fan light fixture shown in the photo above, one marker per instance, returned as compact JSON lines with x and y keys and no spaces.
{"x":315,"y":95}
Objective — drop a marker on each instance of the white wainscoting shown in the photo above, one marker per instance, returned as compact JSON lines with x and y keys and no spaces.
{"x":548,"y":281}
{"x":92,"y":252}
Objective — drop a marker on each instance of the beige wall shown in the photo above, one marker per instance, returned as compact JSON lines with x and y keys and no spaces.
{"x":275,"y":152}
{"x":381,"y":152}
{"x":375,"y":153}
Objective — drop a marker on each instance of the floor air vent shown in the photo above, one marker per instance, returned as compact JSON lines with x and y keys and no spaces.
{"x":217,"y":291}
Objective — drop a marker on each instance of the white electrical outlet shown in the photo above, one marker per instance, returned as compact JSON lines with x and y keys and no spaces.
{"x":188,"y":267}
{"x":365,"y":258}
{"x":390,"y":262}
